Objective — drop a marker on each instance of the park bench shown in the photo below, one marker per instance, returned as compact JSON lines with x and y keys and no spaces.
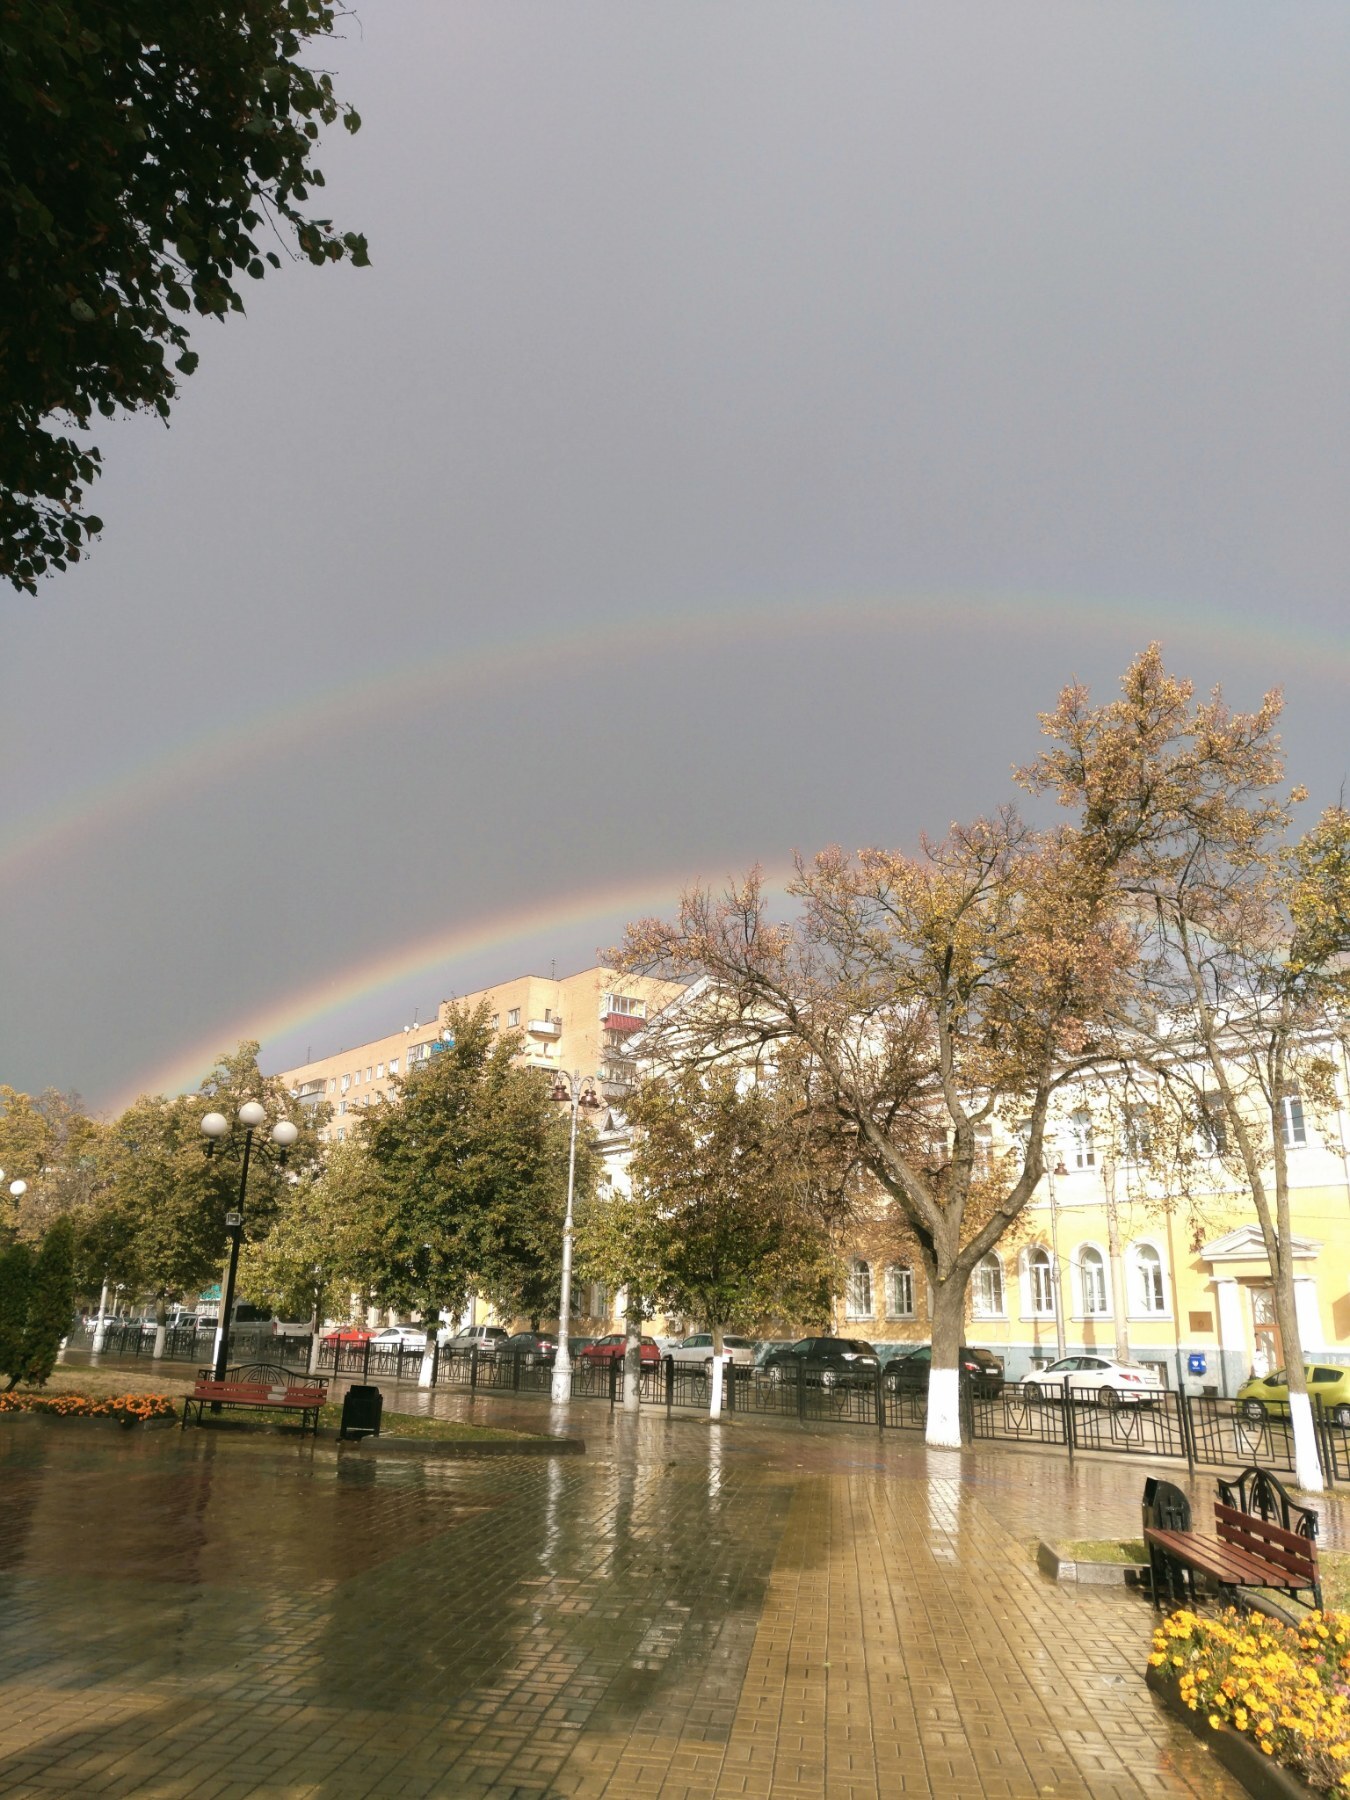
{"x":264,"y":1387}
{"x":1262,"y":1540}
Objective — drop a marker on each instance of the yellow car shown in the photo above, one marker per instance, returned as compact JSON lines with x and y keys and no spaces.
{"x":1264,"y":1396}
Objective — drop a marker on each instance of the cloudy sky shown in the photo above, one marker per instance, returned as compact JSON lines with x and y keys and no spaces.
{"x":752,"y":416}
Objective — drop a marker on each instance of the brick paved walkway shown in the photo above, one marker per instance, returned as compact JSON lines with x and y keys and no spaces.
{"x":688,"y":1613}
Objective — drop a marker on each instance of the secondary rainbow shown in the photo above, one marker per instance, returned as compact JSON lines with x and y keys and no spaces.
{"x":66,"y":825}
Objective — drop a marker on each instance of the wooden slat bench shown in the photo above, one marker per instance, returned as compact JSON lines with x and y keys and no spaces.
{"x":269,"y":1390}
{"x":1249,"y":1549}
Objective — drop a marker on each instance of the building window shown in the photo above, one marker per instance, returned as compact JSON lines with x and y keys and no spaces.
{"x":1092,"y":1268}
{"x":621,"y":1003}
{"x":1211,"y":1126}
{"x":379,"y":1071}
{"x":1040,"y":1282}
{"x":367,"y":1074}
{"x":899,"y":1291}
{"x":393,"y":1065}
{"x":513,"y":1017}
{"x":332,"y":1084}
{"x":346,"y":1082}
{"x":987,"y":1288}
{"x":1080,"y":1140}
{"x":342,"y":1106}
{"x":1137,"y":1132}
{"x":1148,"y":1279}
{"x":496,"y":1021}
{"x":1291,"y":1120}
{"x":858,"y":1293}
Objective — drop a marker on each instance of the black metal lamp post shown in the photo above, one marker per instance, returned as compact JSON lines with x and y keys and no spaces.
{"x":216,"y":1126}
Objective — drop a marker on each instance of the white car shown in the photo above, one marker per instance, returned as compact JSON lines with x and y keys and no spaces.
{"x":410,"y":1337}
{"x":1094,"y":1377}
{"x":697,"y":1351}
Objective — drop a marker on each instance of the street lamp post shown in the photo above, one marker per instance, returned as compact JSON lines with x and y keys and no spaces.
{"x":215,"y":1125}
{"x":562,"y":1365}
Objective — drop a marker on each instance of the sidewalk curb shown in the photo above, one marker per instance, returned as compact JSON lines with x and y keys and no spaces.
{"x":1262,"y":1778}
{"x":462,"y":1449}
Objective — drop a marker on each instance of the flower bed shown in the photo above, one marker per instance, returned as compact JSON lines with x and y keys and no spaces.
{"x":128,"y":1409}
{"x":1286,"y":1689}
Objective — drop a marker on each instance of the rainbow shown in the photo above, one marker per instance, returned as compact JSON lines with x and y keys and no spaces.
{"x":499,"y":933}
{"x":66,"y":825}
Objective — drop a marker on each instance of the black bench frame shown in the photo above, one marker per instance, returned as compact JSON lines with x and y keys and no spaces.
{"x":1264,"y":1540}
{"x":257,"y":1375}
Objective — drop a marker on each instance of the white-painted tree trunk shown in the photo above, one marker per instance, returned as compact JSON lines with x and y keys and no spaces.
{"x":1307,"y":1463}
{"x":161,"y":1328}
{"x":100,"y":1329}
{"x":428,"y":1359}
{"x":715,"y":1385}
{"x":632,"y":1360}
{"x":944,"y":1409}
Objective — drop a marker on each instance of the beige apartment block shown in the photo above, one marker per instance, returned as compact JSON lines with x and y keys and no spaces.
{"x":573,"y":1024}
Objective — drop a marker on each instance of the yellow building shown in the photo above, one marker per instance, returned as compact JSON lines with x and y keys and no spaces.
{"x":575,"y":1023}
{"x":1102,"y":1263}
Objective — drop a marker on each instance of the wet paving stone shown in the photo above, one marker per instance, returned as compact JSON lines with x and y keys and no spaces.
{"x":687,"y":1613}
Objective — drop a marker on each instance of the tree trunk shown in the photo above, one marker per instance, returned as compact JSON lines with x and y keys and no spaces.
{"x":632,"y":1352}
{"x":716,"y":1385}
{"x":947,"y":1311}
{"x":161,"y":1324}
{"x":100,"y":1329}
{"x":428,"y":1353}
{"x":316,"y":1331}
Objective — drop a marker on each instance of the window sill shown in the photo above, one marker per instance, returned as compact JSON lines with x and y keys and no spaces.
{"x":1036,"y":1318}
{"x":901,"y":1318}
{"x":1158,"y":1318}
{"x":1092,"y":1318}
{"x":989,"y":1318}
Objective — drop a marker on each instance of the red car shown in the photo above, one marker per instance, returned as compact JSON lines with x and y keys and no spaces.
{"x":349,"y":1334}
{"x":611,"y":1348}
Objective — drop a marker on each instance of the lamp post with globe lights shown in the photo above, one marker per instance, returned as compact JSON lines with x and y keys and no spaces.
{"x":580,"y":1094}
{"x":216,"y":1126}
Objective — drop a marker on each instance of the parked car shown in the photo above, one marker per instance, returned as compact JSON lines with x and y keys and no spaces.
{"x":1083,"y":1376}
{"x":824,"y":1362}
{"x":487,"y":1339}
{"x":611,"y":1349}
{"x":697,"y":1351}
{"x":1262,"y":1396}
{"x":348,"y":1334}
{"x":533,"y":1347}
{"x":394,"y":1337}
{"x":911,"y":1371}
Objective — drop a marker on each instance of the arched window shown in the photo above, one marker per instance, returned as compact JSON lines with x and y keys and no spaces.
{"x":1092,"y":1269}
{"x":899,"y":1291}
{"x":1040,"y":1282}
{"x":986,"y":1288}
{"x":1148,"y":1279}
{"x":858,"y":1296}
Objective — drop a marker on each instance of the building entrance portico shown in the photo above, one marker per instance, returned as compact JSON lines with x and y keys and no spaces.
{"x":1249,"y":1334}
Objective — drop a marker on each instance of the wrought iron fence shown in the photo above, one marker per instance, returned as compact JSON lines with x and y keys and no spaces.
{"x":1205,"y":1431}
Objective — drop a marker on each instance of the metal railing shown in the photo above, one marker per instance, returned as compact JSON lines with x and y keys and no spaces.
{"x":1204,"y":1431}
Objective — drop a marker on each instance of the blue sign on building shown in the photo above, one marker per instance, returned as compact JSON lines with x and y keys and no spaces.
{"x":1195,"y":1362}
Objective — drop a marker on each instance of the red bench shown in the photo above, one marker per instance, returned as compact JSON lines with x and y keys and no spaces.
{"x":261,"y":1396}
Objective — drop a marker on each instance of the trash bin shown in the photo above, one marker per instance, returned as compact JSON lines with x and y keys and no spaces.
{"x":1166,"y":1507}
{"x":361,"y":1409}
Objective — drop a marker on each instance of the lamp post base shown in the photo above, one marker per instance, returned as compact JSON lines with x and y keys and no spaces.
{"x":561,"y":1391}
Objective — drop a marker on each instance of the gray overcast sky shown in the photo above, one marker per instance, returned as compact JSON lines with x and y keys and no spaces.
{"x":1024,"y":325}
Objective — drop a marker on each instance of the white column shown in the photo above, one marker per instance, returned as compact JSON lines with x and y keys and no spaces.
{"x":1307,"y":1313}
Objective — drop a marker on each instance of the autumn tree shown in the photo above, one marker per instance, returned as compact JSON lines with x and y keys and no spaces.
{"x":152,"y":156}
{"x":467,"y":1170}
{"x":925,"y":998}
{"x":314,"y":1244}
{"x":166,"y":1200}
{"x":1241,"y":936}
{"x":49,"y":1142}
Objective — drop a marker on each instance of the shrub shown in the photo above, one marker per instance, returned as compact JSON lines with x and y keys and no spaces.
{"x":1285,"y":1687}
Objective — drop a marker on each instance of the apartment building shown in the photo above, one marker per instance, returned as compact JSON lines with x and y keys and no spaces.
{"x":580,"y":1022}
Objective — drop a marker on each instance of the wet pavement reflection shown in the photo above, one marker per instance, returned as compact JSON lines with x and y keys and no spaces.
{"x":688,"y":1612}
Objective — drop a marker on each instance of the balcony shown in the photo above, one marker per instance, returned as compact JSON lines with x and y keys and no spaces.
{"x":623,"y":1021}
{"x":546,"y":1028}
